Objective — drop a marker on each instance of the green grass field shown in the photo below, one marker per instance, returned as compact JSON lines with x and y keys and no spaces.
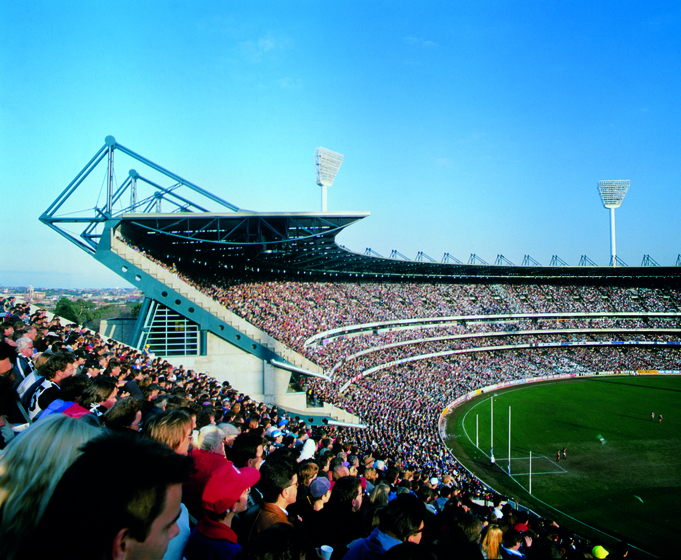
{"x":622,"y":475}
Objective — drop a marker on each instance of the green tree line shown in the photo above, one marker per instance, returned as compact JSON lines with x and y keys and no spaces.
{"x":89,"y":315}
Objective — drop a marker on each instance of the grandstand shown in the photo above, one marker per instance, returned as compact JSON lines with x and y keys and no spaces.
{"x":271,"y":303}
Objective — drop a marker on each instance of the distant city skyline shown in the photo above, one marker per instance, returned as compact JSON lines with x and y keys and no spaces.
{"x":475,"y":127}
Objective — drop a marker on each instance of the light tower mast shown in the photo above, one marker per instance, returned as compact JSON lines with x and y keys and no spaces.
{"x":327,"y":164}
{"x":612,"y":194}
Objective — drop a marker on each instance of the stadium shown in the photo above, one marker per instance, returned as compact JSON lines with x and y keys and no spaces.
{"x":386,"y":348}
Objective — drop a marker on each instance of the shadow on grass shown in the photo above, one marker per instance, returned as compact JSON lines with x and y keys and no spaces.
{"x":636,"y":386}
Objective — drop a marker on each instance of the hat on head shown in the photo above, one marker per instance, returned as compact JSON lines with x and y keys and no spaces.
{"x":225,"y":486}
{"x":319,"y":486}
{"x":379,"y":465}
{"x":229,"y":429}
{"x":599,"y":552}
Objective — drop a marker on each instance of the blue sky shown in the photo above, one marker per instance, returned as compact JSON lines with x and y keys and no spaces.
{"x":467,"y":127}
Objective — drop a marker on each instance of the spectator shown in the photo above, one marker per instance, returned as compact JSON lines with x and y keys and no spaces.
{"x":208,"y":456}
{"x":320,"y":492}
{"x":24,"y":362}
{"x":342,"y":510}
{"x":278,"y":485}
{"x":229,"y":432}
{"x":126,"y":415}
{"x":402,"y":520}
{"x":141,"y":512}
{"x":58,"y":367}
{"x":247,"y":450}
{"x":491,"y":542}
{"x":511,"y":545}
{"x":174,"y":429}
{"x":307,"y":472}
{"x":30,"y":468}
{"x":224,"y":496}
{"x":100,"y":396}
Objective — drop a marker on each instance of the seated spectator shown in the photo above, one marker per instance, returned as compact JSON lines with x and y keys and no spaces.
{"x":491,"y":542}
{"x":70,"y":396}
{"x":150,"y":392}
{"x":278,"y":485}
{"x":522,"y":518}
{"x":376,"y":502}
{"x":229,"y":432}
{"x":342,"y":510}
{"x":247,"y":450}
{"x":142,"y":506}
{"x":307,"y":472}
{"x":512,"y":544}
{"x":30,"y":468}
{"x":58,"y":367}
{"x":23,"y":366}
{"x":100,"y":395}
{"x":7,"y":330}
{"x":279,"y":542}
{"x":174,"y":429}
{"x":224,"y":496}
{"x":320,"y":492}
{"x":208,"y":456}
{"x":445,"y":494}
{"x":400,"y":521}
{"x":126,"y":414}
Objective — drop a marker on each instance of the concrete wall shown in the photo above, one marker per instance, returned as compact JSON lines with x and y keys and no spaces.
{"x":120,"y":329}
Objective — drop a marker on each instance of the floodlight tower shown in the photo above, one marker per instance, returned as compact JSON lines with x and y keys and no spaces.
{"x":612,"y":195}
{"x":327,"y":164}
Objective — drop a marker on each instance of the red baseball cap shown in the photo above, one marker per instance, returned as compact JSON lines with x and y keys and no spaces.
{"x":225,"y":486}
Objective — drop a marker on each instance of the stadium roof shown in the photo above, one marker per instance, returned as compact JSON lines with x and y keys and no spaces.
{"x":291,"y":244}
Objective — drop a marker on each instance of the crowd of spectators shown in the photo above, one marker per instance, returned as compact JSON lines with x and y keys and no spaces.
{"x":262,"y":484}
{"x":391,"y":486}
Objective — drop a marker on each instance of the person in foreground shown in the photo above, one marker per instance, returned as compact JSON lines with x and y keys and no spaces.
{"x":136,"y":486}
{"x":401,"y":521}
{"x":30,"y":468}
{"x":225,"y":495}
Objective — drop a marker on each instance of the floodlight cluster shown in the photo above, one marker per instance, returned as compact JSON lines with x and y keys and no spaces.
{"x":613,"y":192}
{"x":327,"y":164}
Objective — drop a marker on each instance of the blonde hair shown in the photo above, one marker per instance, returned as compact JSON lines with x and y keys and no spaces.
{"x":169,"y":427}
{"x":491,"y":542}
{"x":210,"y":438}
{"x":30,"y":469}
